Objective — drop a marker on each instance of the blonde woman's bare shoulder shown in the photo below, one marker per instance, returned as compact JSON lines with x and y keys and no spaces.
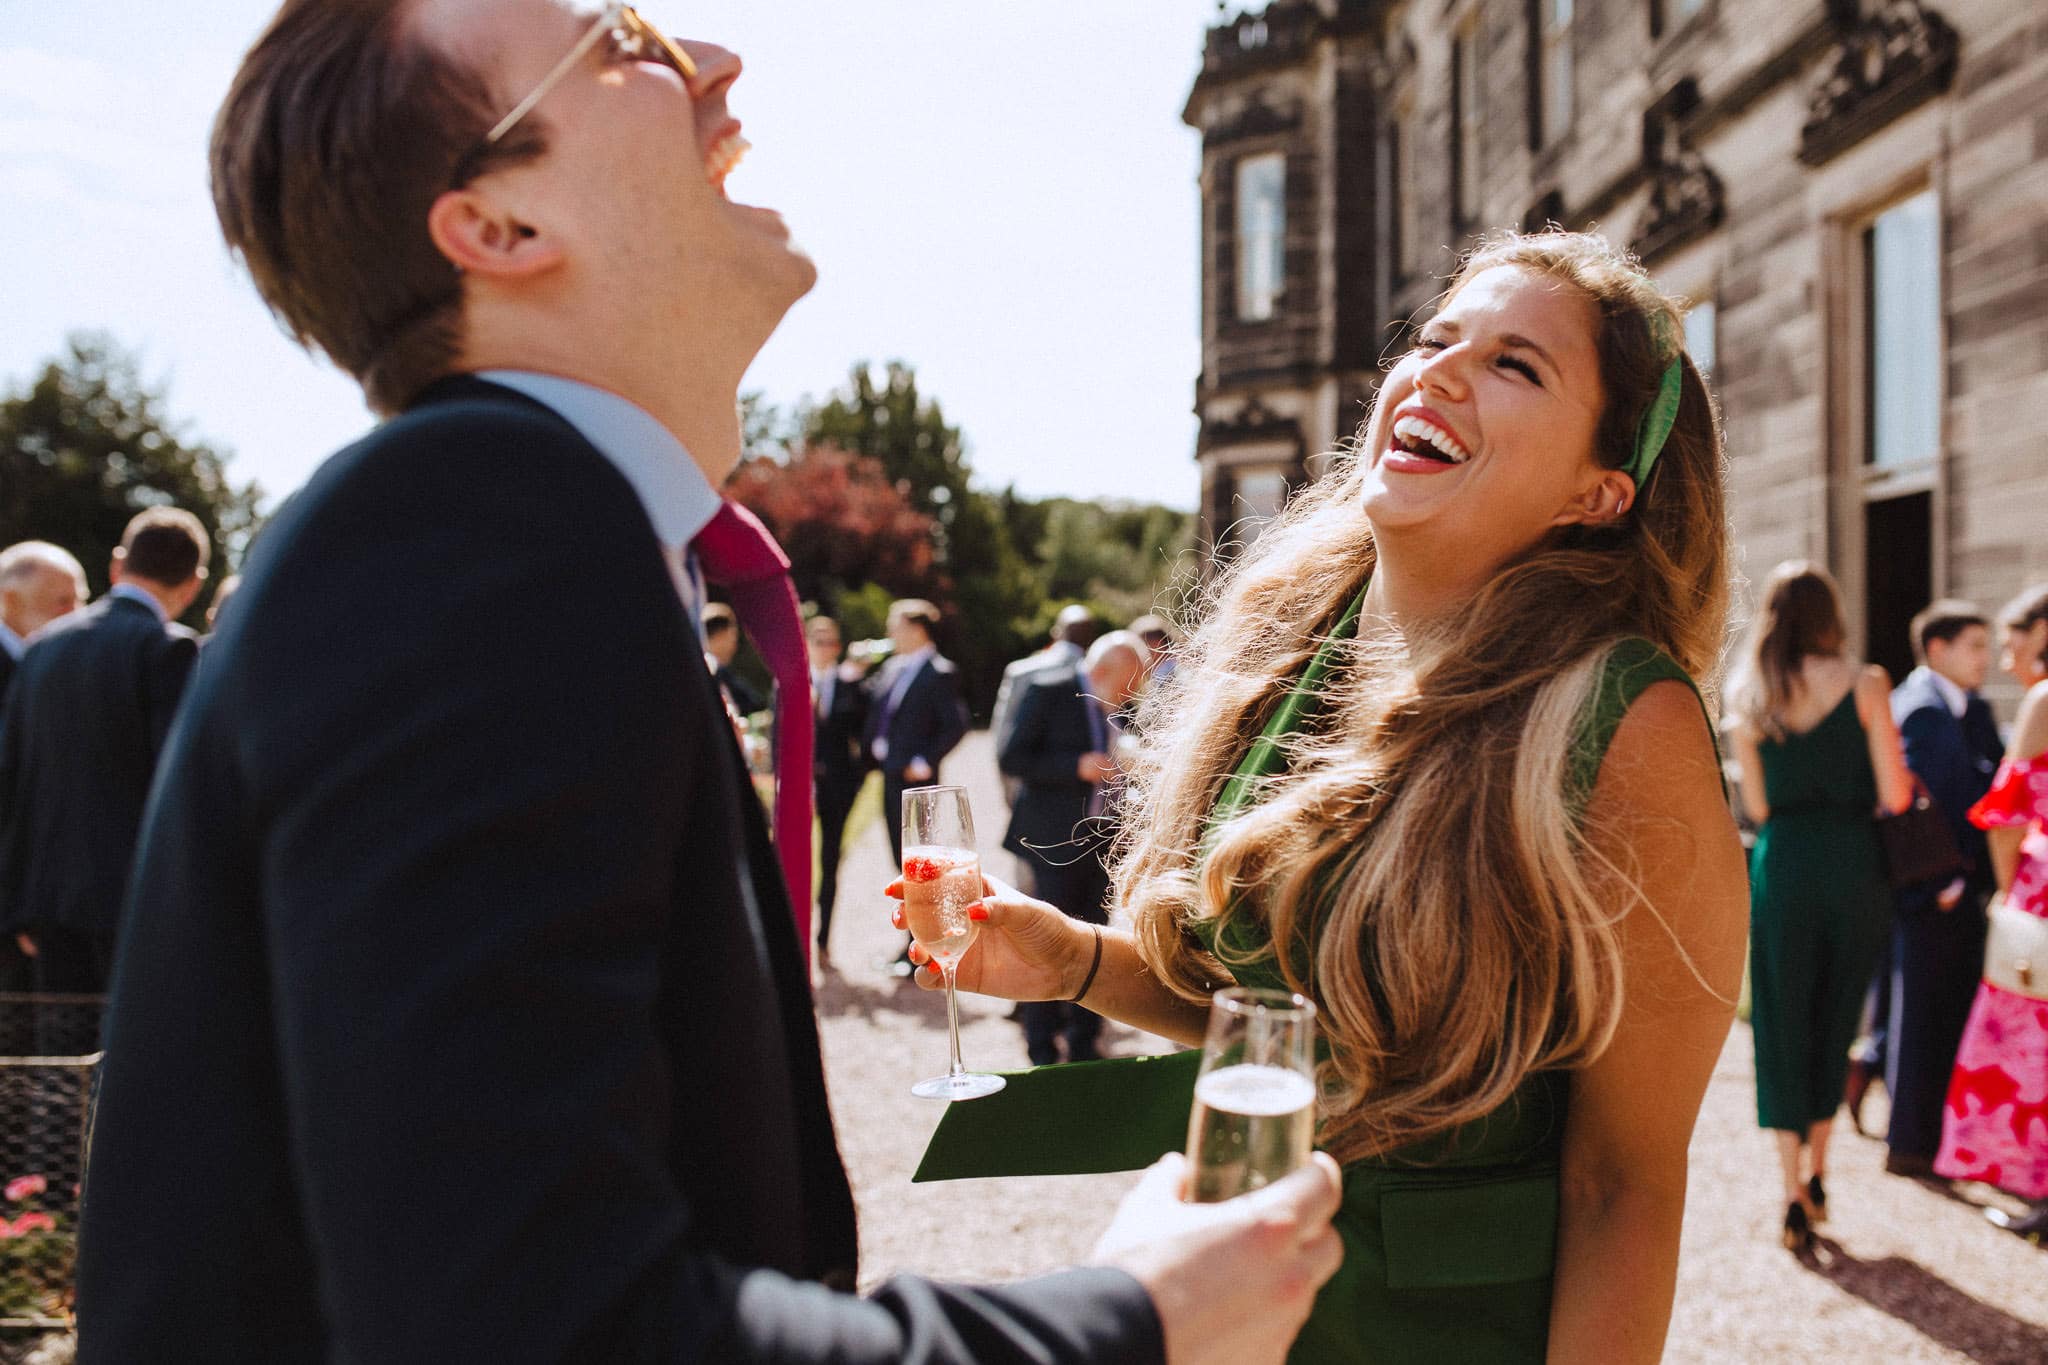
{"x":1661,"y":742}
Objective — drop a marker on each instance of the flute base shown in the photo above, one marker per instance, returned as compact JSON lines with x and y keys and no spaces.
{"x":961,"y":1085}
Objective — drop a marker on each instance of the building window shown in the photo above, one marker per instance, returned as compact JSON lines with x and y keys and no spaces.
{"x":1261,"y":234}
{"x":1467,"y":115}
{"x":1259,"y":494}
{"x":1552,"y":102}
{"x":1700,"y":323}
{"x":1902,"y":345}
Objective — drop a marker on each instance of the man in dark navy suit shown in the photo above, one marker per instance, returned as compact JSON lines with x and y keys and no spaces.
{"x":39,"y":582}
{"x":84,"y":721}
{"x":839,"y":759}
{"x":1061,"y":749}
{"x":915,"y":718}
{"x":915,"y":713}
{"x":1952,"y":745}
{"x":466,"y":1019}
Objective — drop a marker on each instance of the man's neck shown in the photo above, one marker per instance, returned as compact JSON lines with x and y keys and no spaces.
{"x":694,"y":396}
{"x":155,"y":592}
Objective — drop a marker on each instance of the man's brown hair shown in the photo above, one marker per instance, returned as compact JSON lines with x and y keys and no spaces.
{"x":1943,"y":621}
{"x":165,"y":545}
{"x":341,"y":129}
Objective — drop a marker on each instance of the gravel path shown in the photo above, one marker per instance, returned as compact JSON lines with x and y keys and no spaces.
{"x":1906,"y":1271}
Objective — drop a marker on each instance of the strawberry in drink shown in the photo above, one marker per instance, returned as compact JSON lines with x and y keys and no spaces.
{"x":938,"y":886}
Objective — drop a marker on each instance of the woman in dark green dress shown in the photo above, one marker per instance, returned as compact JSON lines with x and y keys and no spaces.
{"x":1813,"y":734}
{"x":1434,"y":759}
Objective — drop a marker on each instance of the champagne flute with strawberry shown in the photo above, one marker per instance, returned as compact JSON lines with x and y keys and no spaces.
{"x":941,"y":879}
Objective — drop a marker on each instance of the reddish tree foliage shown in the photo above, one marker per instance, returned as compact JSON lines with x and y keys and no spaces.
{"x":842,"y":522}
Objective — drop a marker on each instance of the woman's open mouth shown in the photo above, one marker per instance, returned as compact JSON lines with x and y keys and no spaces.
{"x":1424,"y":439}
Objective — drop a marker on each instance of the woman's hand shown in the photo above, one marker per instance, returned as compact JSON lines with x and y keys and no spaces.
{"x":1025,"y":950}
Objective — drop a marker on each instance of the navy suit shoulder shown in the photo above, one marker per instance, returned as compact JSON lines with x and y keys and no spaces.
{"x":1050,"y":729}
{"x":90,"y":706}
{"x":435,"y":902}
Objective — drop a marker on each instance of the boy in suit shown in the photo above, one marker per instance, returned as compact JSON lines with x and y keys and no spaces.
{"x":1952,"y":745}
{"x":838,"y":758}
{"x":467,"y":1018}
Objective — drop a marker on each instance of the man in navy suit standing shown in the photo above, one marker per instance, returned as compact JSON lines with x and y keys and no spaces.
{"x":466,"y":1018}
{"x":915,"y":715}
{"x":1060,"y":747}
{"x":915,"y":718}
{"x":84,"y":722}
{"x":1952,"y":745}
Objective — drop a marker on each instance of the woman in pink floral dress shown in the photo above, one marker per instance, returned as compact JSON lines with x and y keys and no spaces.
{"x":1996,"y":1125}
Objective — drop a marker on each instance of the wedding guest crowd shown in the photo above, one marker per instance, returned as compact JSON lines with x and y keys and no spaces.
{"x":840,"y":705}
{"x":85,"y":718}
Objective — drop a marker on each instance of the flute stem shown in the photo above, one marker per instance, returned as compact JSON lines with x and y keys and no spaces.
{"x":953,"y":1023}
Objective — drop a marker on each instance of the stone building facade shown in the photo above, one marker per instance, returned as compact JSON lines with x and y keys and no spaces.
{"x":1851,"y":194}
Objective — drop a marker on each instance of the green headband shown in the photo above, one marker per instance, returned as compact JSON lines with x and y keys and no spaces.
{"x":1655,"y":428}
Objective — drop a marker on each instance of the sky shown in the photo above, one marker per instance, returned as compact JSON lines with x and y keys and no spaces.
{"x":999,"y":192}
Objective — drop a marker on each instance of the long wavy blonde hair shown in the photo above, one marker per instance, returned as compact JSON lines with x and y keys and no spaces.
{"x":1418,"y":871}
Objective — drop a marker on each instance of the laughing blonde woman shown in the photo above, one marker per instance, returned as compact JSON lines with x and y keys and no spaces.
{"x":1437,"y":761}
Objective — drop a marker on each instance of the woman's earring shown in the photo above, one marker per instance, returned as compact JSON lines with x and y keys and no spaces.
{"x":1620,"y":504}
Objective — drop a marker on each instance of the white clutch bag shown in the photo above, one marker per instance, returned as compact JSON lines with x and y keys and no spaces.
{"x":2016,"y":950}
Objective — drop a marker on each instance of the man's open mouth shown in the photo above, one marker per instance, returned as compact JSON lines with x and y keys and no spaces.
{"x":724,"y":158}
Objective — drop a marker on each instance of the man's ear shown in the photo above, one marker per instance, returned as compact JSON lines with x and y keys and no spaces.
{"x":1600,"y":503}
{"x":479,"y":237}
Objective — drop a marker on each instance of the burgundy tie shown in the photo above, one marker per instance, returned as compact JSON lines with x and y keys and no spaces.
{"x":736,"y":552}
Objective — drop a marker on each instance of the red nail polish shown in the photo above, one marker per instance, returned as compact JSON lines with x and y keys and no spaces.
{"x":977,"y":911}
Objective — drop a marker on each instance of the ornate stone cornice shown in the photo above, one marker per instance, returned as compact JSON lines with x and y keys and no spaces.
{"x":1686,"y":197}
{"x":1883,"y":64}
{"x":1254,"y":422}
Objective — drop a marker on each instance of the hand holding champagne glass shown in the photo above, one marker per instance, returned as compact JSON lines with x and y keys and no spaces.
{"x":1254,"y":1117}
{"x":941,"y":879}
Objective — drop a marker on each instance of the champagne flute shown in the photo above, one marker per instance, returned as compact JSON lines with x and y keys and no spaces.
{"x":1255,"y":1098}
{"x":941,"y":878}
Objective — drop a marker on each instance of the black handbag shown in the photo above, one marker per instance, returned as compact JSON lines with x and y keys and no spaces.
{"x":1919,"y":847}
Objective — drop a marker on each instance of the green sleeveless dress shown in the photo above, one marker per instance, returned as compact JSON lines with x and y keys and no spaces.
{"x":1820,"y":916}
{"x":1449,"y":1244}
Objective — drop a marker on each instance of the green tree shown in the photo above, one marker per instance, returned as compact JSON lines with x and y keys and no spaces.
{"x":88,"y":444}
{"x":990,"y":593}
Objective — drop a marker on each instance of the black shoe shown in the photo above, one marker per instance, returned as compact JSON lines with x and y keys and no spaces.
{"x":1817,"y":1197}
{"x":1044,"y":1056}
{"x":1910,"y":1164}
{"x":1854,"y":1092}
{"x":2031,"y":1224}
{"x":1083,"y":1052}
{"x":1798,"y":1234}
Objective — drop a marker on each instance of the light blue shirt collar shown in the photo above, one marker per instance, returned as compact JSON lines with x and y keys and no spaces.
{"x":679,"y":500}
{"x":1952,"y":695}
{"x":11,"y":643}
{"x":135,"y":594}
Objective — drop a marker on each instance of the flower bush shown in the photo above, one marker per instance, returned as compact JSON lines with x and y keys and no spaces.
{"x":37,"y":1253}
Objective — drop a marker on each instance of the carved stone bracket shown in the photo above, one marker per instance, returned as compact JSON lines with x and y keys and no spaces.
{"x":1883,"y":64}
{"x":1256,"y":119}
{"x":1254,"y":422}
{"x":1687,"y":200}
